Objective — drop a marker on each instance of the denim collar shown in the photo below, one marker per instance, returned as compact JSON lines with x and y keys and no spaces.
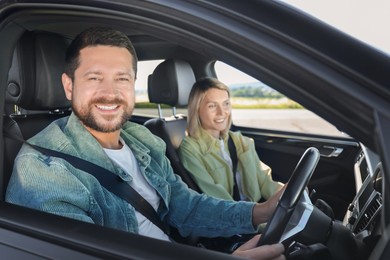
{"x":68,"y":135}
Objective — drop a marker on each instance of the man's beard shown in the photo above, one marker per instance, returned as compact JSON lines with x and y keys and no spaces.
{"x":89,"y":120}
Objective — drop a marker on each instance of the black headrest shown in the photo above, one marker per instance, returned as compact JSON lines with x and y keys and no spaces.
{"x":34,"y":79}
{"x":171,"y":83}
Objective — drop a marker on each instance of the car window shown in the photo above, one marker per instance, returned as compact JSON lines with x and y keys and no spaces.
{"x":257,"y":105}
{"x":142,"y":104}
{"x":254,"y":103}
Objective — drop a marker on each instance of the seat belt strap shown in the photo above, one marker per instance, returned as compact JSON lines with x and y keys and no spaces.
{"x":233,"y":156}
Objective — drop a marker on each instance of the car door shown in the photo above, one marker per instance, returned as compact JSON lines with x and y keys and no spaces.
{"x":333,"y":179}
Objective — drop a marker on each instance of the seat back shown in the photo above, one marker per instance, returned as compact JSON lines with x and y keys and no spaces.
{"x":11,"y":149}
{"x":34,"y":92}
{"x":170,"y":84}
{"x":34,"y":81}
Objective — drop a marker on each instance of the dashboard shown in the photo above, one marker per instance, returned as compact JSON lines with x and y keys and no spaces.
{"x":363,"y":214}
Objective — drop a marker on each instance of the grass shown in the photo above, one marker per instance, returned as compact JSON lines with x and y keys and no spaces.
{"x":149,"y":105}
{"x":264,"y":103}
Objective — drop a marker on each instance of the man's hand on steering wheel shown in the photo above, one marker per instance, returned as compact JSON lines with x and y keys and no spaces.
{"x":285,"y":207}
{"x":263,"y":211}
{"x":268,"y":252}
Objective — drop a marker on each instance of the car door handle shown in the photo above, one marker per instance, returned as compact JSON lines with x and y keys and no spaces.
{"x":330,"y":151}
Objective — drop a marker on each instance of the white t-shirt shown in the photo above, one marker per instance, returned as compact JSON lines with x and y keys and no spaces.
{"x":125,"y":159}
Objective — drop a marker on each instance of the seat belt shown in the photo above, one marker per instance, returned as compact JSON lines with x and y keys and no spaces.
{"x":108,"y":180}
{"x":233,"y":156}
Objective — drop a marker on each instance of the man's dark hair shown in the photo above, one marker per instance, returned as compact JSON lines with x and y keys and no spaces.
{"x":93,"y":37}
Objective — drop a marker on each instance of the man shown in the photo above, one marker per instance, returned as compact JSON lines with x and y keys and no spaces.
{"x":100,"y":72}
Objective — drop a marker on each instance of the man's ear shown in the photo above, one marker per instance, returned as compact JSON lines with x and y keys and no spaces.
{"x":67,"y":83}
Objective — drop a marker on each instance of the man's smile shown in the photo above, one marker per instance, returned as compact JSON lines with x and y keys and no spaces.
{"x":107,"y":107}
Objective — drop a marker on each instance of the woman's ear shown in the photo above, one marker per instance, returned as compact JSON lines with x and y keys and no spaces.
{"x":67,"y":83}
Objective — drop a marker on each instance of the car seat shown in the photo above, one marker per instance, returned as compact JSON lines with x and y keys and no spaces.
{"x":34,"y":95}
{"x":170,"y":84}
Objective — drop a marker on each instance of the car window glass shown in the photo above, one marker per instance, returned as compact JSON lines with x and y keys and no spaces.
{"x":142,"y":104}
{"x":259,"y":106}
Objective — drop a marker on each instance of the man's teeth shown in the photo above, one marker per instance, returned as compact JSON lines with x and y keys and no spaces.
{"x":107,"y":107}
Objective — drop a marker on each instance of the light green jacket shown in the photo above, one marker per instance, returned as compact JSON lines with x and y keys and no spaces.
{"x":213,"y":174}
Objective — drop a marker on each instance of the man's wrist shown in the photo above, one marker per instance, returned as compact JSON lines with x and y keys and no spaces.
{"x":260,"y":214}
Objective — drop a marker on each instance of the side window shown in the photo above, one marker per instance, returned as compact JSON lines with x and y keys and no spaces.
{"x":142,"y":104}
{"x":258,"y":105}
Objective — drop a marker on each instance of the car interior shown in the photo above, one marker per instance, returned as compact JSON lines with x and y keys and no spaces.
{"x":170,"y":85}
{"x":34,"y":96}
{"x":346,"y":186}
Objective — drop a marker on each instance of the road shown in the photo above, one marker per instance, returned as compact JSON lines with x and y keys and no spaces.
{"x":296,"y":120}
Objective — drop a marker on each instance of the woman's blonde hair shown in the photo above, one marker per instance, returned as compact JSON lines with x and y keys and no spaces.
{"x":197,"y":94}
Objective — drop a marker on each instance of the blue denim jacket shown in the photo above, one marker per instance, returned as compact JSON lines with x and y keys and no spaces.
{"x":53,"y":185}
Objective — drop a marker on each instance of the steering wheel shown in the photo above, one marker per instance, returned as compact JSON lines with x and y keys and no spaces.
{"x":292,"y":194}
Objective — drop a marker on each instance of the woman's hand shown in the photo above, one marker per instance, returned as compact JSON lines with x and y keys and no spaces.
{"x":267,"y":252}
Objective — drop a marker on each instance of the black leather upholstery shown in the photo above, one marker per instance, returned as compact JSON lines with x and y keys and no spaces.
{"x":172,"y":130}
{"x":34,"y":81}
{"x":34,"y":85}
{"x":11,"y":149}
{"x":171,"y":84}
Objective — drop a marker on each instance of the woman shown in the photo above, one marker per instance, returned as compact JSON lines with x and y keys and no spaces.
{"x":205,"y":153}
